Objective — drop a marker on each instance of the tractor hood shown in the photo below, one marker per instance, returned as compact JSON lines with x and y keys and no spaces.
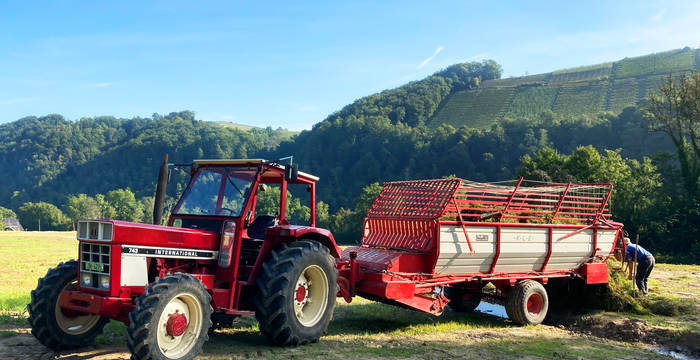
{"x":130,"y":233}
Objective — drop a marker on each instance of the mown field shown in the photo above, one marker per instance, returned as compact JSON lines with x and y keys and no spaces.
{"x":370,"y":330}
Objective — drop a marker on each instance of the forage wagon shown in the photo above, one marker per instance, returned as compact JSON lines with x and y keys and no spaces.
{"x":426,"y":244}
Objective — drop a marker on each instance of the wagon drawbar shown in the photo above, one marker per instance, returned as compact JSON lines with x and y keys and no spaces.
{"x":430,"y":243}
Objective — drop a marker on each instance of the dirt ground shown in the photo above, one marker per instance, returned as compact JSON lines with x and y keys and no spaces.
{"x":420,"y":338}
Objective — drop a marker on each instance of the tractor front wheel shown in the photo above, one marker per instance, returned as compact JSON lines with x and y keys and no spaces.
{"x":296,"y":293}
{"x":527,"y":302}
{"x":171,"y":319}
{"x":54,"y":327}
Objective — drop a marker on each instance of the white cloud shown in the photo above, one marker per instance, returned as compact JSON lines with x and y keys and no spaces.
{"x":658,"y":16}
{"x":426,"y":61}
{"x":99,"y":84}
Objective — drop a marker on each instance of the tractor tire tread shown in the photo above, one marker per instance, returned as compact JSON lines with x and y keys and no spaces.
{"x":41,"y":308}
{"x":137,"y":339}
{"x":271,"y":295}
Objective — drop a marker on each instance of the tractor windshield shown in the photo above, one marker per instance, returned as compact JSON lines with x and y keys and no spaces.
{"x":217,"y":191}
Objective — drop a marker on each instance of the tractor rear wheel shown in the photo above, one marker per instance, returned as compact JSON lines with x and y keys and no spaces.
{"x":296,"y":293}
{"x":170,"y":320}
{"x":54,"y":327}
{"x":463,"y":299}
{"x":527,"y":302}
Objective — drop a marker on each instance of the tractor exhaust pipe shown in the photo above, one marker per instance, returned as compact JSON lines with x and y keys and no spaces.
{"x":159,"y":201}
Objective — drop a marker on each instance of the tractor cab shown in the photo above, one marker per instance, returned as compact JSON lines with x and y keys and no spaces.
{"x":227,"y":191}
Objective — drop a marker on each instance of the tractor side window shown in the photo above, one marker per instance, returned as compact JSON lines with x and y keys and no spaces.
{"x":297,"y":212}
{"x":200,"y":198}
{"x":268,"y":201}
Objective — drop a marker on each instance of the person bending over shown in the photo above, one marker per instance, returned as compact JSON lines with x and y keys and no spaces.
{"x":645,"y":263}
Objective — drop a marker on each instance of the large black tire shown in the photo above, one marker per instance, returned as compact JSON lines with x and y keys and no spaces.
{"x":53,"y":327}
{"x":527,"y":302}
{"x":462,"y":299}
{"x":147,"y":334}
{"x":280,"y":299}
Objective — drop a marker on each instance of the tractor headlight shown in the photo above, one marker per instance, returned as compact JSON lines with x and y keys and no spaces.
{"x":86,"y":279}
{"x":104,"y":281}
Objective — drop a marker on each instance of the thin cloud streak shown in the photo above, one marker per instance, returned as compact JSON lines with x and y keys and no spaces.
{"x":658,"y":16}
{"x":426,"y":61}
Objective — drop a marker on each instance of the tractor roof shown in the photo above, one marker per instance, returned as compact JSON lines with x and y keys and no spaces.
{"x":238,"y":162}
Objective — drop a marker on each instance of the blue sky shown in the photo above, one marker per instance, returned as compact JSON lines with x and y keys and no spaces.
{"x":290,"y":64}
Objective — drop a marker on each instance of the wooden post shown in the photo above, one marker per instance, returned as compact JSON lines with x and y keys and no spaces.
{"x":634,"y":264}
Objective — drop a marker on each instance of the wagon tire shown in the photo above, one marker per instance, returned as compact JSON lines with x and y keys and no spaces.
{"x":54,"y":327}
{"x":296,"y":293}
{"x":527,"y":302}
{"x":170,"y":320}
{"x":461,"y":299}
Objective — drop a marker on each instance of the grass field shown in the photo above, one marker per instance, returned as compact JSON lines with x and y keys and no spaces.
{"x":362,"y":329}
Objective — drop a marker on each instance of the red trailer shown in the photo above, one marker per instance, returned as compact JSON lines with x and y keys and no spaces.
{"x":426,"y":244}
{"x":432,"y":243}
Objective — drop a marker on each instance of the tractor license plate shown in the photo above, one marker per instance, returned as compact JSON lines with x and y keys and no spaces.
{"x":94,"y":266}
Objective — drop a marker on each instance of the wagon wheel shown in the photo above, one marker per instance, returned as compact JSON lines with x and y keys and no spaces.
{"x":51,"y":325}
{"x":171,"y":319}
{"x":527,"y":302}
{"x":463,"y":299}
{"x":296,"y":293}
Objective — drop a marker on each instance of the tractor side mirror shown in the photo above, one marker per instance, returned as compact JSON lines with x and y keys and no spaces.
{"x":291,"y":172}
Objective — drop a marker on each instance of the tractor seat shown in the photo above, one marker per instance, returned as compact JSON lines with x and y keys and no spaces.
{"x":256,"y":229}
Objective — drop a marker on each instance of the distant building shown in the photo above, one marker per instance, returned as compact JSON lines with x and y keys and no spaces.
{"x":12,"y":224}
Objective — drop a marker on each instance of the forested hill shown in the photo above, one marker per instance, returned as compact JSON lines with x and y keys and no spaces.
{"x":385,"y":136}
{"x":49,"y":158}
{"x":398,"y":134}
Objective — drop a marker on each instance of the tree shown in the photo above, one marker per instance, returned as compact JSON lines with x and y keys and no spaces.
{"x":675,"y":110}
{"x":31,"y":215}
{"x":125,"y":205}
{"x":82,"y":207}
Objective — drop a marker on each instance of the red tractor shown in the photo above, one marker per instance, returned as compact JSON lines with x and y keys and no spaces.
{"x":426,"y":244}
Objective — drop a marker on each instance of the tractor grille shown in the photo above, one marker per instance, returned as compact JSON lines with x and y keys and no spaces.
{"x":95,"y":265}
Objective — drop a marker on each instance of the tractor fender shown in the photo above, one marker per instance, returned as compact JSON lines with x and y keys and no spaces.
{"x":280,"y":234}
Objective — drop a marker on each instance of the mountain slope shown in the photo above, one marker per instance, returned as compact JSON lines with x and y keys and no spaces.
{"x":581,"y":91}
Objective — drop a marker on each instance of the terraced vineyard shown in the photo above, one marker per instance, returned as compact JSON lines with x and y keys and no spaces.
{"x":587,"y":73}
{"x":569,"y":92}
{"x":531,"y":100}
{"x":474,"y":108}
{"x":580,"y":98}
{"x":660,"y":63}
{"x":624,"y":94}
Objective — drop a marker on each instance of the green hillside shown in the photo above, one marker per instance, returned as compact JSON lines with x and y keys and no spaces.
{"x":584,"y":90}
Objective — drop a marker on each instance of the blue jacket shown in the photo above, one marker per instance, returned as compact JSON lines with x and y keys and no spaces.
{"x":642,"y":254}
